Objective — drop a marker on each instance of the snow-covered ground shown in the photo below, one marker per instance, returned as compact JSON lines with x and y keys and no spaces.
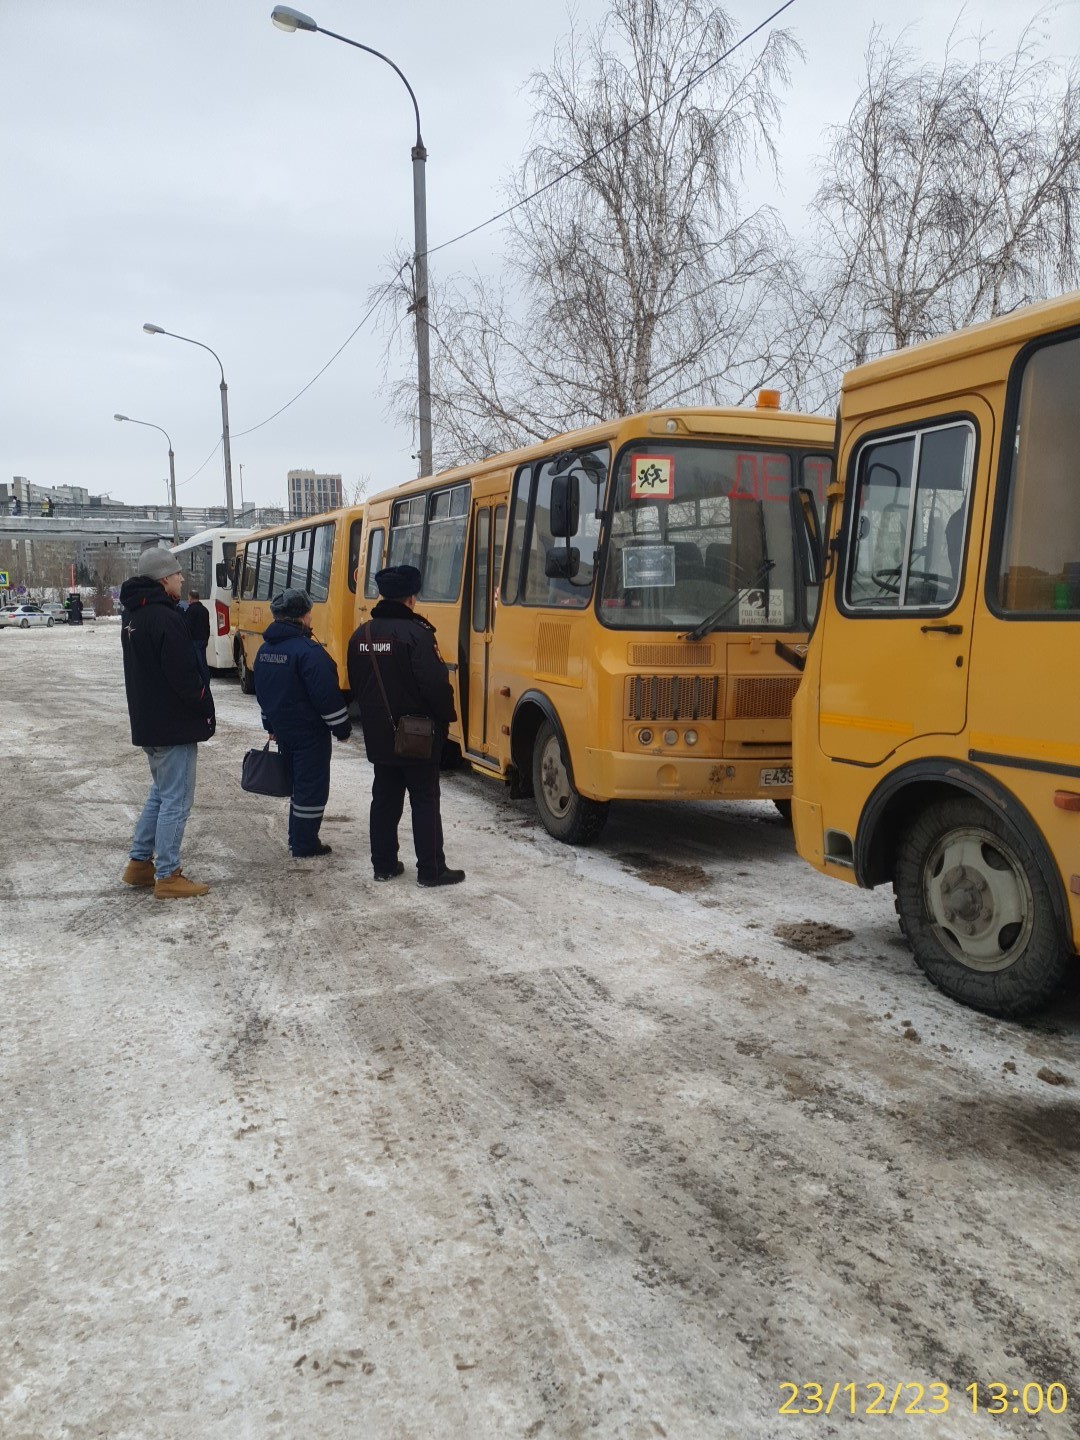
{"x":586,"y":1146}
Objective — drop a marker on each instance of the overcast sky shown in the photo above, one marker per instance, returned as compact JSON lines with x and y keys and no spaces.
{"x":190,"y":165}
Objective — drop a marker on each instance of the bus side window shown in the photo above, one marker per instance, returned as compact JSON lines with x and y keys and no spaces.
{"x":406,"y":544}
{"x":247,"y":587}
{"x":322,"y":549}
{"x":283,"y":562}
{"x":444,"y":544}
{"x":355,"y":532}
{"x":905,"y":547}
{"x":262,"y":575}
{"x":376,"y":545}
{"x":1038,"y":564}
{"x":301,"y":563}
{"x":577,"y":592}
{"x":519,"y":513}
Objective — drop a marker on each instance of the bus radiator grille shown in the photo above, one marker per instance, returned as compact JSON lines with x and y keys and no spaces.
{"x":767,"y":698}
{"x":672,"y":697}
{"x":552,"y":649}
{"x":673,"y":655}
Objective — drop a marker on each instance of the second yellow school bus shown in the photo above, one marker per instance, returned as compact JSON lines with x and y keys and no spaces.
{"x":616,"y":604}
{"x":318,"y":554}
{"x":937,"y":744}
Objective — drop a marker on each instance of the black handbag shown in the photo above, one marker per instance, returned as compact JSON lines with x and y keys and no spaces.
{"x":414,"y":735}
{"x":266,"y":772}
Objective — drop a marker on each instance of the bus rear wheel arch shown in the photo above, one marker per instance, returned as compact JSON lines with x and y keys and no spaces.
{"x":243,"y":670}
{"x":540,"y":754}
{"x":976,"y":909}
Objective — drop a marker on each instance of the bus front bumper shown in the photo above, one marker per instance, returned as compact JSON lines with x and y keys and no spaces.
{"x":614,"y":775}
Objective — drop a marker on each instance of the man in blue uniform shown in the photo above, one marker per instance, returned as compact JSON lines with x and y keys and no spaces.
{"x":415,"y":681}
{"x":302,"y":706}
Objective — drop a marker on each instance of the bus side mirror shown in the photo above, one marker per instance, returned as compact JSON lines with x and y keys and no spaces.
{"x":564,"y":506}
{"x":562,"y":564}
{"x":807,"y":527}
{"x":222,"y":575}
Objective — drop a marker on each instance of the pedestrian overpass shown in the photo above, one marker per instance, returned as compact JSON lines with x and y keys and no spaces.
{"x":117,"y":526}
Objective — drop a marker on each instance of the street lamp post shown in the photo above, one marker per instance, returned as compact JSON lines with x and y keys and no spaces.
{"x":157,"y":330}
{"x":172,"y":471}
{"x":286,"y":18}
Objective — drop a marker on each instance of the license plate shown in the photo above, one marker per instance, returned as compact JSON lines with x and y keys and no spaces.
{"x":778,"y":775}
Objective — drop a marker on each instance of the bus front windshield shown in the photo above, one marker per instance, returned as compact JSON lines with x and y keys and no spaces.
{"x":698,"y":529}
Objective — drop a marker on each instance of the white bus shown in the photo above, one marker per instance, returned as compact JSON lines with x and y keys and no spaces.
{"x":209,"y":559}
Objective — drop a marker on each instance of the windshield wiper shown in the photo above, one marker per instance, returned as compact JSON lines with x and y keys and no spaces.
{"x":711,"y":621}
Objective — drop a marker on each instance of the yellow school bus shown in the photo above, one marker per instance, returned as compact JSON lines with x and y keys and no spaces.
{"x":616,"y":605}
{"x":937,"y":740}
{"x":318,"y":554}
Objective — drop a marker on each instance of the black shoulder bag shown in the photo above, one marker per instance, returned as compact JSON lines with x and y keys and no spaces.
{"x":414,"y":735}
{"x":266,"y":772}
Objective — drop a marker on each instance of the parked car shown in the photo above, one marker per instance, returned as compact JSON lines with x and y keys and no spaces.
{"x":24,"y":616}
{"x":57,"y":611}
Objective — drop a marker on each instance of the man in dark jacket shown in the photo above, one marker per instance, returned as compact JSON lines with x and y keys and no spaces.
{"x":171,"y":711}
{"x":414,"y":676}
{"x":198,"y":621}
{"x":296,"y":683}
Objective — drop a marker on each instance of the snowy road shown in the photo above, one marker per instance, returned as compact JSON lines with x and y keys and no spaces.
{"x":587,"y":1146}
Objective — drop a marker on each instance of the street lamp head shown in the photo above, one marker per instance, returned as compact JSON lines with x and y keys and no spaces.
{"x":153,"y":330}
{"x":290,"y":20}
{"x":119,"y":417}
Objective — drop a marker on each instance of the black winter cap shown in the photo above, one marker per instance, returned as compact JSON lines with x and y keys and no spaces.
{"x":290,"y":605}
{"x":398,"y":582}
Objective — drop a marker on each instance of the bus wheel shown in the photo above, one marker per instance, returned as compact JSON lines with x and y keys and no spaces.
{"x":565,"y":814}
{"x":977,"y":911}
{"x":451,"y":757}
{"x":784,"y":807}
{"x":243,"y":672}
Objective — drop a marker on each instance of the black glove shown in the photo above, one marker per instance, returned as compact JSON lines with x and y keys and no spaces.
{"x":343,"y":731}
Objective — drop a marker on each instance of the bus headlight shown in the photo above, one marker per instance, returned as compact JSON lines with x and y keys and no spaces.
{"x":671,"y":737}
{"x":645,"y":736}
{"x":690,"y":737}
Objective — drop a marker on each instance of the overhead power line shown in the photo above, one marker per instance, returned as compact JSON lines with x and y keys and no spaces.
{"x":615,"y":139}
{"x":383,"y":292}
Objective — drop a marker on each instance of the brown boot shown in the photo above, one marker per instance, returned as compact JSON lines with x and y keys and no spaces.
{"x":138,"y":872}
{"x":178,"y":887}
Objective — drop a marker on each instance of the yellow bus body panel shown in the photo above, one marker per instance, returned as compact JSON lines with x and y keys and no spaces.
{"x":883,"y":693}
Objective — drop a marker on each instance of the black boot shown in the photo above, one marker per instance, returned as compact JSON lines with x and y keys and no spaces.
{"x":444,"y":877}
{"x":399,"y":869}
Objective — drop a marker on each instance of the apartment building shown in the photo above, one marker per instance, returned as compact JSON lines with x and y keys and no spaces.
{"x":311,"y":493}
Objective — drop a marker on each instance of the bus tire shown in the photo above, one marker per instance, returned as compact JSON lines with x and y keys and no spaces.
{"x":451,"y":757}
{"x":977,"y":911}
{"x":564,"y":813}
{"x":784,"y":807}
{"x":243,"y":671}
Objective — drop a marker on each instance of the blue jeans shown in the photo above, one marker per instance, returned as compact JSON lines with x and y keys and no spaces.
{"x":160,"y":828}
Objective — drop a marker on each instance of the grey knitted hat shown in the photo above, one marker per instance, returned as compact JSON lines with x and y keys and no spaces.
{"x":159,"y":563}
{"x":290,"y":605}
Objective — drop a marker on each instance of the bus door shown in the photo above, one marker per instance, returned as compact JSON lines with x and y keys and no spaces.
{"x":896,"y":662}
{"x":1025,"y":682}
{"x":489,"y":531}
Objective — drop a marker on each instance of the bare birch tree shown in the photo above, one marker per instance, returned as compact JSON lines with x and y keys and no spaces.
{"x":639,"y":279}
{"x":950,"y":195}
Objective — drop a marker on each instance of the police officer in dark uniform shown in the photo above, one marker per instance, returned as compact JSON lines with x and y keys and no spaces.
{"x":416,"y":682}
{"x":296,"y":684}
